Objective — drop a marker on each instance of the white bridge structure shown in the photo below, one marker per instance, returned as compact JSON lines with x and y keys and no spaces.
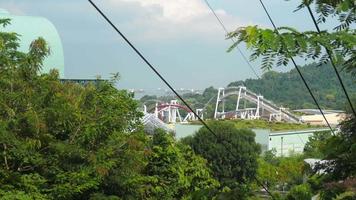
{"x":170,"y":112}
{"x":263,"y":109}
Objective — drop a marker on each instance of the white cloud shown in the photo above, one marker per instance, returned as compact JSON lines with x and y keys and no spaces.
{"x":176,"y":10}
{"x":13,"y":8}
{"x":174,"y":19}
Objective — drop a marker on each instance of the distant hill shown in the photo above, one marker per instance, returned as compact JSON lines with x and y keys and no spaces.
{"x":288,"y":90}
{"x":284,"y":89}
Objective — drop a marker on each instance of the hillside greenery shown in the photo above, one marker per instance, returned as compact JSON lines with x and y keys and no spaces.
{"x":286,"y":89}
{"x":283,"y":88}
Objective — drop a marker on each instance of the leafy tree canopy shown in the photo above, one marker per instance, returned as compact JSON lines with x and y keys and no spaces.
{"x":277,"y":47}
{"x":66,"y":141}
{"x":232,"y":155}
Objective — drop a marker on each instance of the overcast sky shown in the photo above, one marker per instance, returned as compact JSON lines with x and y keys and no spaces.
{"x":180,"y":37}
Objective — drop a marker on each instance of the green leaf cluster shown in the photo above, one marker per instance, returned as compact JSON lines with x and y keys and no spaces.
{"x":67,"y":141}
{"x":280,"y":173}
{"x":231,"y":154}
{"x":300,"y":192}
{"x":276,"y":47}
{"x":337,"y":180}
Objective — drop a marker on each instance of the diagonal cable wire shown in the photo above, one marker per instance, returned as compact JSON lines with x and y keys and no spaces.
{"x":151,"y":66}
{"x":227,"y":32}
{"x":298,"y":69}
{"x":220,"y":140}
{"x":332,"y":62}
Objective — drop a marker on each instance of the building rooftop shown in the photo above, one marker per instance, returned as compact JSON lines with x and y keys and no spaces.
{"x":317,"y":112}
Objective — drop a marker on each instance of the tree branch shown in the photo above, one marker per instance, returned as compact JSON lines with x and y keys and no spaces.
{"x":5,"y":157}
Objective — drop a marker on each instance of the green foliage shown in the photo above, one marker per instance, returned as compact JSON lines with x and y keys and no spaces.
{"x":232,"y":155}
{"x":165,"y":169}
{"x":300,"y":192}
{"x":267,"y":173}
{"x":276,"y":48}
{"x":315,"y":143}
{"x":59,"y":141}
{"x":350,"y":195}
{"x":339,"y":151}
{"x":280,"y":172}
{"x":339,"y":190}
{"x":287,"y":89}
{"x":283,"y":88}
{"x":174,"y":171}
{"x":345,"y":10}
{"x":66,"y":141}
{"x":274,"y":126}
{"x":99,"y":196}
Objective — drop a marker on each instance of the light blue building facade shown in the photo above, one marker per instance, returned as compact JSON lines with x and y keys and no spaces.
{"x":290,"y":142}
{"x":29,"y":29}
{"x":284,"y":143}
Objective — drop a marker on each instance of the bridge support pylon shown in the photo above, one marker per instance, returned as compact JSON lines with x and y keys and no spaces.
{"x":221,"y":94}
{"x":264,"y":108}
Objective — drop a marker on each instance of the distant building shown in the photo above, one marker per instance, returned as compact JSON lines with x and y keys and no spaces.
{"x":29,"y":29}
{"x":83,"y":81}
{"x":314,"y":117}
{"x":284,"y":143}
{"x":289,"y":142}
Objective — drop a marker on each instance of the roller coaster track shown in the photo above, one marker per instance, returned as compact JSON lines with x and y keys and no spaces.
{"x":243,"y":93}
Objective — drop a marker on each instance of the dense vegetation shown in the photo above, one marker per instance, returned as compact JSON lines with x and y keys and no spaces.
{"x":283,"y":88}
{"x":263,"y":124}
{"x":287,"y":89}
{"x":331,"y":179}
{"x":231,"y":153}
{"x":277,"y":47}
{"x":280,"y":173}
{"x":334,"y":177}
{"x":66,"y":141}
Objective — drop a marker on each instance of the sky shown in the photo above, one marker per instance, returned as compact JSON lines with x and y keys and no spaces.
{"x":181,"y":38}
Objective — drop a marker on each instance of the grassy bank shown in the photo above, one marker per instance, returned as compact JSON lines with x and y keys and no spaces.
{"x":274,"y":126}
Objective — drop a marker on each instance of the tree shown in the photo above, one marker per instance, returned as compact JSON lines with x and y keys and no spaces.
{"x":340,"y":150}
{"x":267,"y":173}
{"x":67,"y":141}
{"x":275,"y":48}
{"x":174,"y":170}
{"x":280,"y":173}
{"x":232,"y":154}
{"x":315,"y":143}
{"x":165,"y":169}
{"x":299,"y":192}
{"x":337,"y":181}
{"x":282,"y":88}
